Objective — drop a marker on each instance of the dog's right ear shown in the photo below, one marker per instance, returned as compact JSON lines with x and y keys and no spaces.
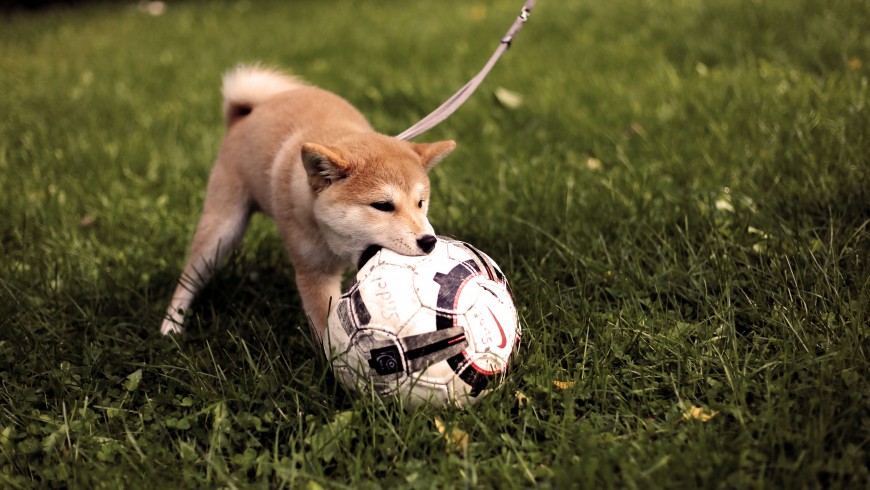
{"x":432,"y":153}
{"x":323,"y":164}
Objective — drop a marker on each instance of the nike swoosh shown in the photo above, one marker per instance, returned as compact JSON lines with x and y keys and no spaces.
{"x":500,"y":329}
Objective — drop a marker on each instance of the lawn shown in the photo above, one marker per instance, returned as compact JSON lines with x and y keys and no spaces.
{"x":678,"y":190}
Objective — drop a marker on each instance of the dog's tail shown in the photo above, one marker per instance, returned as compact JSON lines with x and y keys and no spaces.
{"x":247,"y":86}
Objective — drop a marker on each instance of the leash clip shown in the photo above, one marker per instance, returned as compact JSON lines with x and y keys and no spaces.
{"x":523,"y":18}
{"x":443,"y":111}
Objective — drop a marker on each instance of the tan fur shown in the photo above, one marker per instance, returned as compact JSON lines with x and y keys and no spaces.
{"x":312,"y":162}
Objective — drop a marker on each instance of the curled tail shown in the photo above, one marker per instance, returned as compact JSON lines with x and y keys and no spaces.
{"x":247,"y":86}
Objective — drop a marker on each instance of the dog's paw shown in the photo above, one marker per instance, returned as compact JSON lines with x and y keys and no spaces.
{"x":170,"y":326}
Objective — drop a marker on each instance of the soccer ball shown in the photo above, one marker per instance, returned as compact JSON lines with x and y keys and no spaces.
{"x":439,"y":328}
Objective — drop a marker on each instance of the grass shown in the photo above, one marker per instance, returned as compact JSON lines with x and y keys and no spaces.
{"x":681,"y":202}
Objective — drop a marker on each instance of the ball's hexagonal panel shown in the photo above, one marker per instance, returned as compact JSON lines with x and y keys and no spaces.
{"x":440,"y":285}
{"x":387,"y":295}
{"x":422,"y":392}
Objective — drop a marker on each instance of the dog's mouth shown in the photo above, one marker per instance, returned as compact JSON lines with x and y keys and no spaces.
{"x":367,"y":255}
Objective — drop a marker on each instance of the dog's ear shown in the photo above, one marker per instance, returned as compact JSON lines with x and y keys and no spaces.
{"x":323,"y":164}
{"x":432,"y":153}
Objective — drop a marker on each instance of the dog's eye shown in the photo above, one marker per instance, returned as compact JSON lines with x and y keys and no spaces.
{"x":420,"y":204}
{"x":385,"y":206}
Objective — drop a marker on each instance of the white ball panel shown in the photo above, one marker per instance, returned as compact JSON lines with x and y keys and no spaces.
{"x":436,"y":277}
{"x":438,"y":373}
{"x":387,"y":301}
{"x":421,"y":392}
{"x":454,"y":250}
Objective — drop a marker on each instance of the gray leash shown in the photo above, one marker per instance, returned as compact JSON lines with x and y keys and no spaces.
{"x":450,"y":105}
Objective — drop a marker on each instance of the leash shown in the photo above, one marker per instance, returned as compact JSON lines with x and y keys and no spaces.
{"x":450,"y":105}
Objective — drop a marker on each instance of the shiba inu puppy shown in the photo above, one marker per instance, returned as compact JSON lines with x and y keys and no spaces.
{"x":333,"y":185}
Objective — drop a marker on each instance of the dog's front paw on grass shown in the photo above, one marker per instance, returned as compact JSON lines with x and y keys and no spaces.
{"x":170,"y":326}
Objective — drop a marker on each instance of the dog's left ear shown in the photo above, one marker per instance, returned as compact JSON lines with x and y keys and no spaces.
{"x":432,"y":153}
{"x":323,"y":164}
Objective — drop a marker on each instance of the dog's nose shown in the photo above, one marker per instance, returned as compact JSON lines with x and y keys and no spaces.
{"x":426,"y":243}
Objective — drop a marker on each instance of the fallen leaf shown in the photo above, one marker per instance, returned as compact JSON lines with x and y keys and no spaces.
{"x":87,"y":220}
{"x":755,"y":231}
{"x":508,"y":98}
{"x":636,"y":128}
{"x":153,"y":8}
{"x":477,"y":12}
{"x":724,"y":205}
{"x":563,"y":385}
{"x":133,"y":380}
{"x":456,"y":438}
{"x":327,"y":439}
{"x":6,"y":436}
{"x":698,"y":413}
{"x":313,"y":485}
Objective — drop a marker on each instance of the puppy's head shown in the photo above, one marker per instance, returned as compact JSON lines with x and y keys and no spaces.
{"x":373,"y":190}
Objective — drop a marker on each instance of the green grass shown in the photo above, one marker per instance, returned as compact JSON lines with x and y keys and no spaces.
{"x":681,"y":202}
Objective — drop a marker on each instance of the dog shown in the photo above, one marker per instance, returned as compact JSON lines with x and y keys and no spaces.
{"x":334,"y":187}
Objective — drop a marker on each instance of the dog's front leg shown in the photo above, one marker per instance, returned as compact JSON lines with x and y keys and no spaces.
{"x":319,"y":293}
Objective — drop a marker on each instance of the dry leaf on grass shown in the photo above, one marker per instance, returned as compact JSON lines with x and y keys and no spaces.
{"x":508,"y":98}
{"x":456,"y":438}
{"x":698,"y":413}
{"x":563,"y":385}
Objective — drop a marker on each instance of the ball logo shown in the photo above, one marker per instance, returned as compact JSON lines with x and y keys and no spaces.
{"x":503,"y":343}
{"x":452,"y":283}
{"x":388,"y":308}
{"x":386,"y":360}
